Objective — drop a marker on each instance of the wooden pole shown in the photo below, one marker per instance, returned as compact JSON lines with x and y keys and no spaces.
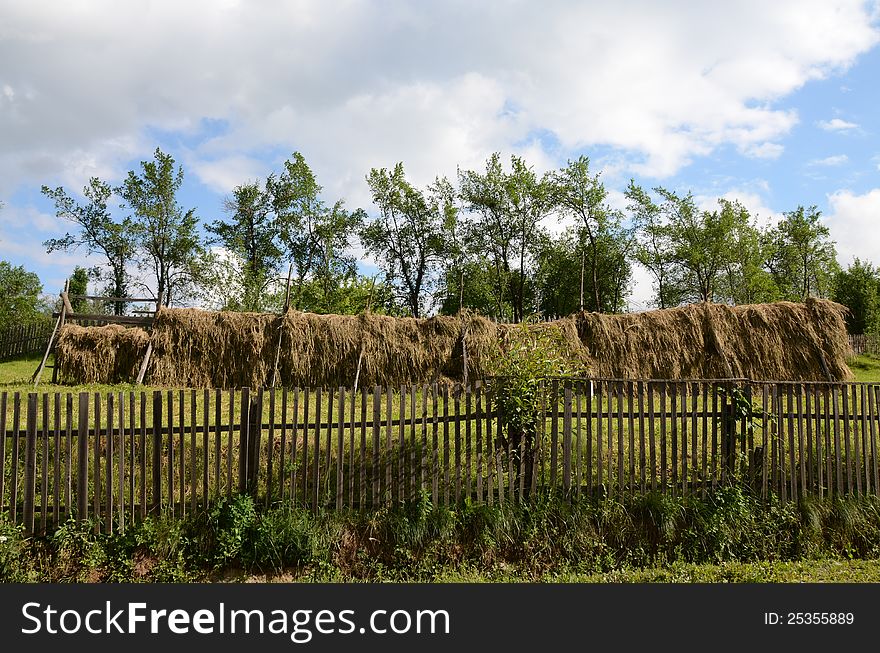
{"x":357,"y":373}
{"x":143,"y":370}
{"x":281,"y":326}
{"x":58,"y":323}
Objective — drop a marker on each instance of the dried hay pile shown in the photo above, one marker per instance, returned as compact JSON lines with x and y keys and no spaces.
{"x":192,"y":347}
{"x":778,"y":341}
{"x":103,"y":354}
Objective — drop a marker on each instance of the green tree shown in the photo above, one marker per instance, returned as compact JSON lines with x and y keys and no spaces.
{"x":315,"y":237}
{"x":20,"y":302}
{"x":507,"y":210}
{"x":98,"y":233}
{"x":406,"y":236}
{"x":802,"y":257}
{"x":654,"y":249}
{"x":166,"y":236}
{"x":249,"y":236}
{"x":579,"y":195}
{"x":78,"y":284}
{"x":561,"y":260}
{"x":858,"y":288}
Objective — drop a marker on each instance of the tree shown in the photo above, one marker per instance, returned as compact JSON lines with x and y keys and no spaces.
{"x":20,"y":290}
{"x":654,"y":245}
{"x":579,"y":195}
{"x":858,"y":288}
{"x":166,"y":236}
{"x":508,"y":210}
{"x":802,"y":257}
{"x":98,"y":233}
{"x":406,"y":237}
{"x":315,"y":237}
{"x":249,"y":237}
{"x":561,"y":261}
{"x":78,"y":284}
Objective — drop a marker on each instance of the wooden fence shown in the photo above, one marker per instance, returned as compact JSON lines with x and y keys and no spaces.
{"x":865,"y":343}
{"x":23,"y":340}
{"x":121,"y":456}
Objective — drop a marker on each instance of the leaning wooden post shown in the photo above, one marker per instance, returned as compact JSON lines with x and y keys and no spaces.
{"x":357,"y":373}
{"x":58,"y":324}
{"x":281,"y":327}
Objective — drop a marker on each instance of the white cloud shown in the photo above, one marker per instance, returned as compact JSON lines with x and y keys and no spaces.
{"x":355,"y":84}
{"x":830,"y":161}
{"x":836,"y":125}
{"x":852,"y":220}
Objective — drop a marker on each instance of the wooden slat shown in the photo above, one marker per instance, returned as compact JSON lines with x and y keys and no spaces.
{"x":632,"y":437}
{"x":490,"y":448}
{"x":874,"y":404}
{"x":809,"y":407}
{"x":767,"y":426}
{"x":435,"y":466}
{"x":120,"y":463}
{"x":663,"y":474}
{"x":652,"y":444}
{"x":566,"y":439}
{"x":56,"y":494}
{"x":351,"y":452}
{"x":96,"y":467}
{"x":195,"y":468}
{"x":621,"y":478}
{"x":132,"y":457}
{"x":218,"y":442}
{"x":181,"y":462}
{"x":156,"y":506}
{"x":30,"y":462}
{"x":467,"y":443}
{"x":695,"y":396}
{"x":270,"y":448}
{"x":802,"y":463}
{"x":108,"y":464}
{"x":294,"y":438}
{"x":243,"y":437}
{"x":363,"y":493}
{"x":14,"y":461}
{"x":588,"y":387}
{"x":780,"y":407}
{"x":206,"y":447}
{"x":821,"y":453}
{"x":856,"y":462}
{"x":577,"y":444}
{"x":413,"y":472}
{"x":479,"y":441}
{"x":388,"y":494}
{"x":44,"y":460}
{"x":456,"y":394}
{"x":82,"y":459}
{"x":864,"y":465}
{"x":846,"y":441}
{"x":643,"y":481}
{"x":715,"y":423}
{"x":340,"y":450}
{"x":685,"y":454}
{"x":230,"y":448}
{"x":554,"y":432}
{"x":401,"y":442}
{"x":499,"y":470}
{"x":282,"y":453}
{"x":328,"y":482}
{"x":377,"y":408}
{"x":446,"y":452}
{"x":600,"y":450}
{"x":142,"y":462}
{"x":316,"y":457}
{"x":704,"y":454}
{"x":674,"y":434}
{"x":3,"y":401}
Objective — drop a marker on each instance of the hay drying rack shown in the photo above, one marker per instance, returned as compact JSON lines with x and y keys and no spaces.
{"x":144,"y":318}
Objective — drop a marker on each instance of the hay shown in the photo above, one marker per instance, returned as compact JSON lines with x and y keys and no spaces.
{"x":104,"y":354}
{"x":778,"y":341}
{"x":191,"y":347}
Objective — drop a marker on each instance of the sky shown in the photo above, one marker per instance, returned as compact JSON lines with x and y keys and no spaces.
{"x":772,"y":103}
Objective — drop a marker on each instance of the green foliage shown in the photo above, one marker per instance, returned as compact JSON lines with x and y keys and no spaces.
{"x":801,"y":255}
{"x":407,"y":236}
{"x":98,"y":233}
{"x":166,"y":235}
{"x":858,"y":288}
{"x":20,"y":302}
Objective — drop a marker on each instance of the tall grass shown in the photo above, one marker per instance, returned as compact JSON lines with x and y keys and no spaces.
{"x":418,"y":541}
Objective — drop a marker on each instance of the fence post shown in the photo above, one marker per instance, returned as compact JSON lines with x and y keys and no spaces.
{"x":244,"y":439}
{"x":255,"y":435}
{"x":30,"y":463}
{"x":728,"y":436}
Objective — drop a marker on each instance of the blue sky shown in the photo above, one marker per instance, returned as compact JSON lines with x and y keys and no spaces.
{"x":774,"y":104}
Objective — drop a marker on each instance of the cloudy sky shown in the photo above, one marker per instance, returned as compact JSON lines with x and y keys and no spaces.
{"x":774,"y":103}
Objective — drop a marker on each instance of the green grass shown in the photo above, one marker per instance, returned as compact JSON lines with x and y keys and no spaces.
{"x":865,"y":368}
{"x":728,"y":537}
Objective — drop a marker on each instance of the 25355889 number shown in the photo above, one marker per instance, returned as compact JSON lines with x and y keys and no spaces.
{"x":822,"y":618}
